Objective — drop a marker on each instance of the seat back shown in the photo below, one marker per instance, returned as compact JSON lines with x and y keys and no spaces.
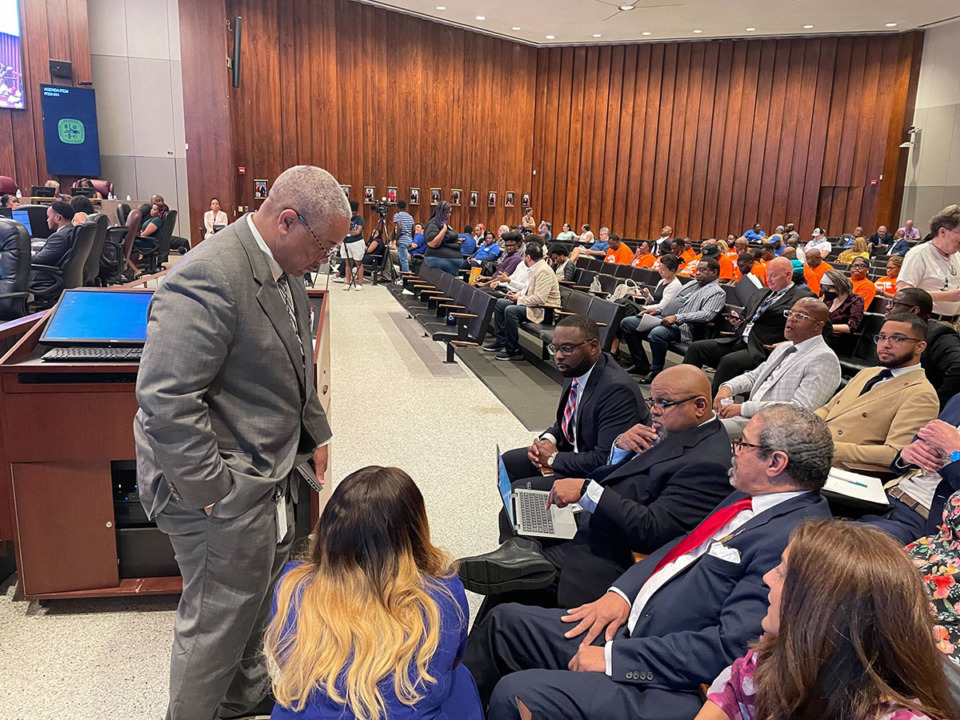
{"x":608,"y":283}
{"x":14,"y":266}
{"x":866,"y":348}
{"x":608,"y":269}
{"x":77,"y":257}
{"x":623,"y":271}
{"x":577,"y":303}
{"x":480,"y":304}
{"x":744,"y":289}
{"x":37,"y":214}
{"x":610,"y":314}
{"x":163,"y":237}
{"x":8,"y":186}
{"x":104,"y":187}
{"x":123,"y":211}
{"x":91,"y":269}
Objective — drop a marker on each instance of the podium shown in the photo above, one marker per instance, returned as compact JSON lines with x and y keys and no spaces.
{"x":67,"y":448}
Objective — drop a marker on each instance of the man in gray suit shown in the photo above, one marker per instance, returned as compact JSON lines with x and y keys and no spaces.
{"x":803,"y":371}
{"x":227,"y":412}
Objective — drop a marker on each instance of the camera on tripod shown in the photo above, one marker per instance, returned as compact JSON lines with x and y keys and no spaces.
{"x":381,"y":208}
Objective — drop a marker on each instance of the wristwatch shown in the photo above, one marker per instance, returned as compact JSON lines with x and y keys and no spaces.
{"x":955,"y":455}
{"x":552,"y":458}
{"x":583,"y":488}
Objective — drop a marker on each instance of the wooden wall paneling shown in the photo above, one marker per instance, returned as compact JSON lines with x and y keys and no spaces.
{"x":600,"y":136}
{"x":564,"y":184}
{"x":801,"y":147}
{"x":550,"y":150}
{"x":774,"y":110}
{"x":866,"y":142}
{"x":651,"y":225}
{"x":633,"y":166}
{"x":714,"y":165}
{"x":540,"y":131}
{"x":687,"y":170}
{"x":748,"y":104}
{"x":728,"y":168}
{"x":58,"y":34}
{"x":758,"y":145}
{"x":661,"y":146}
{"x":586,"y":214}
{"x":674,"y":164}
{"x":705,"y":119}
{"x":290,"y":150}
{"x":824,"y":209}
{"x":351,"y":99}
{"x":574,"y":168}
{"x":851,"y":115}
{"x":818,"y":138}
{"x":609,"y":196}
{"x":36,"y":54}
{"x":621,"y":177}
{"x":788,"y":128}
{"x":838,"y":100}
{"x":321,"y":126}
{"x":838,"y":209}
{"x":526,"y":60}
{"x":888,"y":47}
{"x":79,"y":36}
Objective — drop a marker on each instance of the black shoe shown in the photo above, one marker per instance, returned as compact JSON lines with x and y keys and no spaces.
{"x":638,"y":369}
{"x":518,"y":564}
{"x":263,"y":709}
{"x":648,"y":378}
{"x":493,"y":347}
{"x":509,"y":355}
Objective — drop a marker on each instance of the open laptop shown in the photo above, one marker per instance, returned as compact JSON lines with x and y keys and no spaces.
{"x":97,"y":325}
{"x":527,"y":510}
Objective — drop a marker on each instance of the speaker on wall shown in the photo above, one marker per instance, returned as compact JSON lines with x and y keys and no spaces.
{"x":237,"y":32}
{"x":61,"y":69}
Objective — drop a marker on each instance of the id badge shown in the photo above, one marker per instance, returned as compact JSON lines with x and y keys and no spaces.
{"x":281,"y":502}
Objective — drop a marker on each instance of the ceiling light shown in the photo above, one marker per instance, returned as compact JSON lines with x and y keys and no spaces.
{"x":698,"y":31}
{"x":441,"y":7}
{"x":750,"y":29}
{"x":626,"y":7}
{"x":891,"y":25}
{"x":516,"y":28}
{"x":808,"y":27}
{"x":596,"y":35}
{"x":646,"y":33}
{"x":481,"y":17}
{"x":551,"y":37}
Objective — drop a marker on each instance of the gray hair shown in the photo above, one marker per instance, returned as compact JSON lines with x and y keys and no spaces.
{"x":803,"y":436}
{"x":780,"y":228}
{"x":312,"y":192}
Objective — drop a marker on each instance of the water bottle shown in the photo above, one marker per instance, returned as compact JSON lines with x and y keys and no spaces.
{"x":128,"y":198}
{"x":18,"y":193}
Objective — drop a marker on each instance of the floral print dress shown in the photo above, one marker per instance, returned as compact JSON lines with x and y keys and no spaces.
{"x":938,"y":559}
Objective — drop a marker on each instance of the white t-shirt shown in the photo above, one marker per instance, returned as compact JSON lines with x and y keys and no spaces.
{"x":927,"y":268}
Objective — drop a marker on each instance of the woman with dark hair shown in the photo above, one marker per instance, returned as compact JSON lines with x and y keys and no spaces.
{"x":87,"y":183}
{"x":82,"y":209}
{"x":848,"y":636}
{"x":443,"y":248}
{"x":372,"y":623}
{"x":845,"y":306}
{"x":9,"y":201}
{"x":214,"y":217}
{"x":150,"y":227}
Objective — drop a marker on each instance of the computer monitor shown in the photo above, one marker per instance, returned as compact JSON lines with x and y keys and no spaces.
{"x":23,"y":217}
{"x":42,"y":191}
{"x":97,"y":316}
{"x":85,"y":191}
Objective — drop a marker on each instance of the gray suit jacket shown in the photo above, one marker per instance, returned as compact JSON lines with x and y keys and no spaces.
{"x":227,"y":407}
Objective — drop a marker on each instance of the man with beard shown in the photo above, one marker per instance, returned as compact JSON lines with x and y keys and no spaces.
{"x":660,"y":481}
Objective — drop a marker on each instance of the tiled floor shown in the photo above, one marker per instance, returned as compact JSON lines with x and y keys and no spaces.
{"x":394,"y":402}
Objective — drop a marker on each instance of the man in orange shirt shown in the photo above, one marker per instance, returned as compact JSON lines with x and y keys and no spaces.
{"x":710,"y":249}
{"x":643,"y":258}
{"x":814,"y":269}
{"x":746,"y":264}
{"x":688,"y":254}
{"x":618,"y":252}
{"x":862,"y":285}
{"x":767,"y":253}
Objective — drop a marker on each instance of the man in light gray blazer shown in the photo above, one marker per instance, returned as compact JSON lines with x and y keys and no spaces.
{"x":227,"y":412}
{"x":803,"y":371}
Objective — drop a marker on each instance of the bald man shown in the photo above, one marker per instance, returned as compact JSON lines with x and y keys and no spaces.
{"x":650,"y":492}
{"x":803,"y":371}
{"x":759,"y":326}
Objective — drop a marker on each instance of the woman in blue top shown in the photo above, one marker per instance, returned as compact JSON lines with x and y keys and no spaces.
{"x":373,"y":622}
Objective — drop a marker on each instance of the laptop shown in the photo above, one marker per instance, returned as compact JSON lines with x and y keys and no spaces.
{"x":527,"y":510}
{"x":97,"y":325}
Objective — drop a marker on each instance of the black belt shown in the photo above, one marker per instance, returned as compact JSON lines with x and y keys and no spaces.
{"x":909,"y":501}
{"x":944,"y":318}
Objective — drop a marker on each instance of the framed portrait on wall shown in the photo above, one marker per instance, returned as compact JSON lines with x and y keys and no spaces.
{"x":455,"y":197}
{"x":369,"y":194}
{"x":525,"y":201}
{"x":391,"y":195}
{"x":434,"y":196}
{"x":259,"y":189}
{"x":508,"y":199}
{"x":414,"y":196}
{"x":474,"y":198}
{"x":492,"y":198}
{"x":346,"y":190}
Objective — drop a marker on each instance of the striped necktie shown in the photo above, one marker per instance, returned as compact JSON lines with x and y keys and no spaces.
{"x":568,"y":420}
{"x":284,"y":287}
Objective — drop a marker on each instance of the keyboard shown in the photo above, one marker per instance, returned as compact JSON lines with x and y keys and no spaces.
{"x":93,"y":354}
{"x":534,"y":517}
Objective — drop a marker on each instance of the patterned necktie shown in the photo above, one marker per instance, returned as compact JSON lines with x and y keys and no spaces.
{"x":884,"y":374}
{"x":567,"y":425}
{"x":764,"y":306}
{"x":704,"y":531}
{"x":284,"y":288}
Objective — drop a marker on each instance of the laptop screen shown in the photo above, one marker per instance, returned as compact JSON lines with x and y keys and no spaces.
{"x":99,"y":317}
{"x":506,"y":489}
{"x":23,"y":217}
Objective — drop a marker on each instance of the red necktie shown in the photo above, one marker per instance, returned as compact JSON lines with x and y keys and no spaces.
{"x":569,"y":410}
{"x":704,"y":531}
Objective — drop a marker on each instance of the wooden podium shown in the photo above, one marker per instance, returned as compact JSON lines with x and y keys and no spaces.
{"x":66,"y":428}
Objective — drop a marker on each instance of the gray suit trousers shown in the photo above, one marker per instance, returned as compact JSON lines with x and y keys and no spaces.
{"x":229,"y":568}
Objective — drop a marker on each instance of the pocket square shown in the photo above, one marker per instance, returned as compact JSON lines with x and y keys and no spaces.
{"x":727,"y":554}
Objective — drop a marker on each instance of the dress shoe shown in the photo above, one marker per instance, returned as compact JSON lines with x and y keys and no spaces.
{"x":263,"y":709}
{"x":638,"y":369}
{"x":518,"y":564}
{"x":493,"y":347}
{"x":648,"y":378}
{"x":509,"y":355}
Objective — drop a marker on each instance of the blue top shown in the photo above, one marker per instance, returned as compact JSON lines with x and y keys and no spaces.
{"x":753,"y":235}
{"x":600,"y":245}
{"x":405,"y":221}
{"x":487,"y":253}
{"x":454,"y":695}
{"x":419,"y":244}
{"x":469,"y":244}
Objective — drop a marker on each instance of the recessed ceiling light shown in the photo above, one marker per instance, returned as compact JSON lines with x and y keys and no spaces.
{"x":808,"y":27}
{"x":891,"y":25}
{"x":698,"y":31}
{"x":481,"y":17}
{"x":596,"y":35}
{"x":626,"y":7}
{"x":551,"y":37}
{"x":750,"y":29}
{"x":515,"y":27}
{"x":441,"y":7}
{"x":646,"y":33}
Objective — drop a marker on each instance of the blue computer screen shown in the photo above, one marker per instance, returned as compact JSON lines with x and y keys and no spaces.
{"x":105,"y":316}
{"x":23,"y":217}
{"x":506,"y":489}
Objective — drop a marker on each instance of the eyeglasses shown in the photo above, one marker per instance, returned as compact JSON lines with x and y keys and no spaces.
{"x":797,"y":315}
{"x":664,"y":404}
{"x":895,"y":339}
{"x":565,"y":349}
{"x":310,"y":229}
{"x":739,"y":444}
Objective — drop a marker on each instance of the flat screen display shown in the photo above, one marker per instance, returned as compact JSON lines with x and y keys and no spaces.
{"x":70,"y":130}
{"x":23,"y":217}
{"x":11,"y":62}
{"x":99,"y":317}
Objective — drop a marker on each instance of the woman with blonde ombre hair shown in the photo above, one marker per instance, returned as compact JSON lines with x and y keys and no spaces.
{"x":848,"y":636}
{"x":373,"y":622}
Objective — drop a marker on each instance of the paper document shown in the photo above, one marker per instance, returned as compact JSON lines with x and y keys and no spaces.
{"x":863,"y":488}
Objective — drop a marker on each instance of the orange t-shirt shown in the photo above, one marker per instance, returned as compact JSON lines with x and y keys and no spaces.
{"x":760,"y":270}
{"x":689,"y":267}
{"x":688,"y":255}
{"x":813,"y":275}
{"x":621,"y":256}
{"x":886,"y":285}
{"x":732,"y":254}
{"x":738,"y":276}
{"x":865,"y":289}
{"x":727,"y":267}
{"x":644,"y":261}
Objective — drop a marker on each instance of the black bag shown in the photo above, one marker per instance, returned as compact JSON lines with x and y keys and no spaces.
{"x":632,"y":307}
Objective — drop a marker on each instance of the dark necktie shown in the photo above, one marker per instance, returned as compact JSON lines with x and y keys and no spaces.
{"x":567,"y":426}
{"x":284,"y":287}
{"x":764,"y":306}
{"x":878,"y":378}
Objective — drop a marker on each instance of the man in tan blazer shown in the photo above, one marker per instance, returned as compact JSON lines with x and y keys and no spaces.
{"x":542,"y":290}
{"x":882,"y":408}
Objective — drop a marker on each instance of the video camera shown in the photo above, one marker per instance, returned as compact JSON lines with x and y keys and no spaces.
{"x":381,"y":208}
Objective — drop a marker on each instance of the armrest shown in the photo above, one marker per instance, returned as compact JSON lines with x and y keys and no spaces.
{"x":600,"y":293}
{"x":448,"y":306}
{"x":563,"y":312}
{"x":430,"y":292}
{"x":463,"y":315}
{"x":880,"y":471}
{"x":566,"y":282}
{"x":463,"y":343}
{"x":47,"y":269}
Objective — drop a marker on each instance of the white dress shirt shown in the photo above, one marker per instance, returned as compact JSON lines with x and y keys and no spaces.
{"x":761,"y":503}
{"x":581,"y":386}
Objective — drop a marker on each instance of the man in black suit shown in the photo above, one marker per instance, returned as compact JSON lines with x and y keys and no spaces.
{"x":676,"y":619}
{"x":56,"y":250}
{"x":599,"y":401}
{"x":650,"y":493}
{"x":761,"y":326}
{"x":882,"y":239}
